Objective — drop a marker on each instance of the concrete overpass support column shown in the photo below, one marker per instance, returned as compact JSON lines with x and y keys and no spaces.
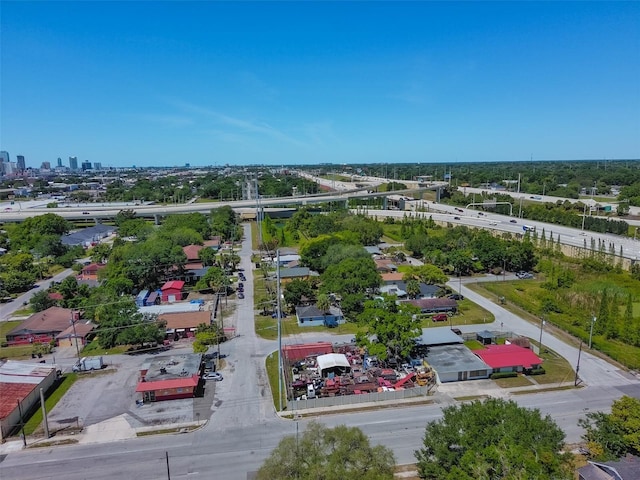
{"x":346,"y":203}
{"x":156,"y":219}
{"x":385,"y":203}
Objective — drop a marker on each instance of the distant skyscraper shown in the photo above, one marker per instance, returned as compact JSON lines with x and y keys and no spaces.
{"x":20,"y":161}
{"x":46,"y":166}
{"x":73,"y":163}
{"x":4,"y":157}
{"x":86,"y":165}
{"x":59,"y":162}
{"x":97,"y":166}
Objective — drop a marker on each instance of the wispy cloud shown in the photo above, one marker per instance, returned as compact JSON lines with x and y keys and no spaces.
{"x":240,"y":124}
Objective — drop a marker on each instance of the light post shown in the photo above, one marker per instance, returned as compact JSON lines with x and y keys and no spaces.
{"x":542,"y":322}
{"x":593,"y":320}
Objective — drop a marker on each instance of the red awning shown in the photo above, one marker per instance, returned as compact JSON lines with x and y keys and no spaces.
{"x":167,"y":384}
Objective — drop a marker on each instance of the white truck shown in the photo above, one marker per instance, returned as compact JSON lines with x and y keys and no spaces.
{"x":88,"y":363}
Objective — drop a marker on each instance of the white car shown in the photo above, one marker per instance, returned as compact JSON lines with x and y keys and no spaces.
{"x":215,"y":376}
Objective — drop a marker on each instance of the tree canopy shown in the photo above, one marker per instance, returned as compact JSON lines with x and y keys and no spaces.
{"x":391,"y":329}
{"x":613,"y":435}
{"x":337,"y":453}
{"x":493,"y":439}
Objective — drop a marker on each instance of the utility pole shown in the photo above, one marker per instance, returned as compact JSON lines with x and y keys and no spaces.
{"x":542,"y":322}
{"x":44,"y":414}
{"x":575,"y":382}
{"x":75,"y":336}
{"x":279,"y":315}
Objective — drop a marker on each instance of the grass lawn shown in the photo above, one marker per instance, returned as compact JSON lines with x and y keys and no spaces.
{"x":266,"y":327}
{"x":6,"y":327}
{"x":473,"y":345}
{"x":557,"y":368}
{"x":519,"y":381}
{"x":18,"y":352}
{"x":65,"y":384}
{"x":23,"y":312}
{"x":94,"y":348}
{"x":272,"y":374}
{"x":468,"y":314}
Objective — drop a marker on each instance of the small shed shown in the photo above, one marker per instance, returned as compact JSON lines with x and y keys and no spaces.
{"x":141,"y":298}
{"x":172,"y":291}
{"x":152,"y":299}
{"x":485,"y":337}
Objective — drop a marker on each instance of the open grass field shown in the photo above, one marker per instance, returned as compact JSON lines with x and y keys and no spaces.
{"x":574,"y":308}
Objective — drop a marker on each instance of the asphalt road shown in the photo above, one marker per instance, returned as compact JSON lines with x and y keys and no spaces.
{"x":7,"y":309}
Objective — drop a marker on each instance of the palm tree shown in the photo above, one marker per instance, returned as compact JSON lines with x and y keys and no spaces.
{"x":323,"y":303}
{"x":413,"y":288}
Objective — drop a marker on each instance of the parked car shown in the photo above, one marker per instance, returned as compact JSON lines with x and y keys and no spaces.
{"x":456,"y":218}
{"x":456,"y":296}
{"x":440,"y":317}
{"x":513,"y":220}
{"x":240,"y":285}
{"x":215,"y":376}
{"x":240,"y":295}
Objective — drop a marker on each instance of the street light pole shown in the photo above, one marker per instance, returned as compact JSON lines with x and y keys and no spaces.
{"x":593,"y":320}
{"x":542,"y":322}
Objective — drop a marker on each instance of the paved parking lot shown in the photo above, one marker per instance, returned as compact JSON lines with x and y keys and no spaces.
{"x":98,"y":396}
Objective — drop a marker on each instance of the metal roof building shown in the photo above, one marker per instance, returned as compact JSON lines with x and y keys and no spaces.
{"x":20,"y":385}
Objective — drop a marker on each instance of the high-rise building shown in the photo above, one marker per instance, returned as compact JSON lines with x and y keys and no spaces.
{"x":97,"y":166}
{"x":86,"y":165}
{"x":4,"y":156}
{"x":45,"y":166}
{"x":73,"y":163}
{"x":21,"y":164}
{"x":59,"y":162}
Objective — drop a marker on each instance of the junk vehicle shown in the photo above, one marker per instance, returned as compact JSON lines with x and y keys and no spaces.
{"x":88,"y":363}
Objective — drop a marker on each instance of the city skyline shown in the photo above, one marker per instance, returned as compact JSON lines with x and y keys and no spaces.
{"x":209,"y":83}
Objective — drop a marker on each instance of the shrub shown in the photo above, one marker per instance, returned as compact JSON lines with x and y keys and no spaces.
{"x":495,"y":376}
{"x":535,"y":371}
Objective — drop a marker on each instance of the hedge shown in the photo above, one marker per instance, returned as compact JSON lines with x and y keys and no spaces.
{"x":497,"y":375}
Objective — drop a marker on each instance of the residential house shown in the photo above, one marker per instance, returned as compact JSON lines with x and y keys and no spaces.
{"x":312,"y":316}
{"x":435,"y":305}
{"x":41,"y":327}
{"x":508,"y":358}
{"x":75,"y":335}
{"x":626,"y":468}
{"x":90,"y":272}
{"x":300,"y":273}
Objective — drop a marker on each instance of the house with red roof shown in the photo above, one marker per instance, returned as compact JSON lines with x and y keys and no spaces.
{"x":90,"y":272}
{"x":508,"y":358}
{"x":193,"y":259}
{"x":172,"y":291}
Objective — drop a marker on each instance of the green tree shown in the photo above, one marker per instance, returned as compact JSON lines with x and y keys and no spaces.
{"x":351,"y":276}
{"x":391,"y":329}
{"x":493,"y":439}
{"x":613,"y":435}
{"x":207,"y":256}
{"x":207,"y":335}
{"x":330,"y":454}
{"x":40,"y":301}
{"x":413,"y":288}
{"x":214,"y":279}
{"x":295,"y":290}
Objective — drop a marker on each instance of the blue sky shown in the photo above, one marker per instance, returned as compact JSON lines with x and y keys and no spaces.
{"x":210,"y":83}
